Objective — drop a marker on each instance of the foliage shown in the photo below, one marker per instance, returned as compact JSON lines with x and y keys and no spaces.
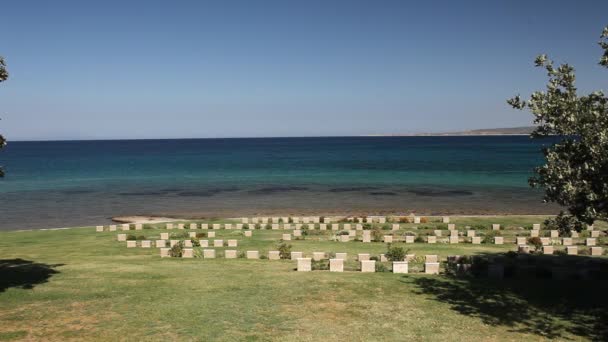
{"x":131,"y":237}
{"x":201,"y":235}
{"x":395,"y":253}
{"x":575,"y":173}
{"x":424,"y":220}
{"x":489,"y":236}
{"x":141,"y":237}
{"x":3,"y":77}
{"x":536,"y":242}
{"x":319,"y":265}
{"x":284,"y":251}
{"x":377,"y":235}
{"x":177,"y":250}
{"x":380,"y":267}
{"x":404,"y":220}
{"x":195,"y":242}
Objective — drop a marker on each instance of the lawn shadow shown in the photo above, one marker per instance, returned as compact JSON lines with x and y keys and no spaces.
{"x":543,"y":306}
{"x":24,"y":274}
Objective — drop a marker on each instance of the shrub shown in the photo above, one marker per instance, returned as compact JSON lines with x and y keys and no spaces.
{"x":284,"y":251}
{"x":141,"y":237}
{"x":419,"y":239}
{"x":395,"y":253}
{"x":381,"y":268}
{"x":404,"y":220}
{"x":386,"y":227}
{"x":321,"y":265}
{"x":377,"y":235}
{"x":290,"y":220}
{"x":367,"y":226}
{"x":201,"y":235}
{"x":195,"y":242}
{"x":424,"y":220}
{"x":489,"y":237}
{"x":343,"y":232}
{"x":177,"y":250}
{"x":268,"y":226}
{"x":246,"y":226}
{"x":241,"y":255}
{"x":536,"y":242}
{"x":131,"y":237}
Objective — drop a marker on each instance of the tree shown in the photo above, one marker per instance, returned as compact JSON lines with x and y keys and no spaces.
{"x":575,"y":173}
{"x":3,"y":77}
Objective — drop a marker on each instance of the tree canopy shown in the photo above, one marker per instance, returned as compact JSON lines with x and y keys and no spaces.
{"x":3,"y":77}
{"x":575,"y":173}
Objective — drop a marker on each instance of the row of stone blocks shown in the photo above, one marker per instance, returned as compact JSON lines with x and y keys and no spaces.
{"x":367,"y":266}
{"x":306,"y":220}
{"x":210,"y":253}
{"x":570,"y":250}
{"x":125,"y":226}
{"x":187,"y":243}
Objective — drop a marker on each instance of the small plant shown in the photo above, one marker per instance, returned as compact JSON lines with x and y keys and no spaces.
{"x":201,"y":235}
{"x":395,"y":253}
{"x":246,"y":226}
{"x":141,"y":237}
{"x":284,"y":251}
{"x":489,"y":237}
{"x":377,"y":235}
{"x":343,"y":232}
{"x":404,"y":220}
{"x":180,"y":235}
{"x":424,"y":220}
{"x":380,"y":267}
{"x":241,"y":255}
{"x":268,"y":226}
{"x":320,"y":265}
{"x":386,"y":227}
{"x":177,"y":250}
{"x":290,"y":220}
{"x":131,"y":237}
{"x":195,"y":242}
{"x":536,"y":243}
{"x":367,"y":226}
{"x":419,"y":239}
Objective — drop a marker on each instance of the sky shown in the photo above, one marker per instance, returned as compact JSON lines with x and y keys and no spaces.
{"x":203,"y":69}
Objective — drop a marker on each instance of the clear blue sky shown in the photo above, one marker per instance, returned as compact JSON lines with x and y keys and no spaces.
{"x":165,"y":69}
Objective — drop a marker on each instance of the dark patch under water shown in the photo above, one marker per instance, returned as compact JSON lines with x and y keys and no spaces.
{"x":352,"y":189}
{"x":206,"y":193}
{"x":277,"y":189}
{"x":440,"y":193}
{"x":76,"y":192}
{"x":143,"y":193}
{"x":383,"y":193}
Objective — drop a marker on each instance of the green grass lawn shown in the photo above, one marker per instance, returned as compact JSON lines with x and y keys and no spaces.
{"x":85,"y":285}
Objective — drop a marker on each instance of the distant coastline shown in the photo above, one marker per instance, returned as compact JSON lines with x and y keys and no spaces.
{"x":511,"y":131}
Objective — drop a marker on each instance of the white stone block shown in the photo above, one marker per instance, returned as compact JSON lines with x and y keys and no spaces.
{"x":431,"y":239}
{"x":232,"y":243}
{"x":476,"y":240}
{"x":388,"y":239}
{"x":160,"y":243}
{"x":230,"y":254}
{"x":131,"y":243}
{"x":248,"y":233}
{"x":188,"y":243}
{"x":409,"y":239}
{"x":169,"y":226}
{"x":208,"y":253}
{"x":445,"y":219}
{"x":296,"y":255}
{"x":595,"y":251}
{"x":304,"y":265}
{"x":112,"y":227}
{"x":188,"y":253}
{"x":99,"y":229}
{"x":204,"y":225}
{"x":164,"y":236}
{"x":336,"y":265}
{"x":495,"y":226}
{"x":590,"y":241}
{"x":193,"y":226}
{"x":363,"y":256}
{"x":335,"y":226}
{"x":211,"y":234}
{"x":317,"y":256}
{"x":286,"y":237}
{"x":499,"y":240}
{"x":218,"y":243}
{"x":572,"y":250}
{"x":164,"y":252}
{"x":437,"y":232}
{"x":368,"y":266}
{"x":253,"y":254}
{"x":400,"y":266}
{"x":204,"y":243}
{"x":342,"y":256}
{"x":121,"y":237}
{"x":431,"y":268}
{"x":146,"y":244}
{"x":274,"y":255}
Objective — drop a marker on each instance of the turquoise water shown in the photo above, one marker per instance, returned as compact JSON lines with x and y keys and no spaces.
{"x":86,"y":182}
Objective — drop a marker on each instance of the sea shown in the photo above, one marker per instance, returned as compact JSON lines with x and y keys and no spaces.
{"x":53,"y":184}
